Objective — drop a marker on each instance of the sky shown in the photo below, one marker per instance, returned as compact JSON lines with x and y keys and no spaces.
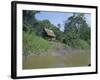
{"x":59,"y":17}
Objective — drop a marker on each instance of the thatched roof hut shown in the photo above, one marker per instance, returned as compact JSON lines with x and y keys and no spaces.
{"x":50,"y":33}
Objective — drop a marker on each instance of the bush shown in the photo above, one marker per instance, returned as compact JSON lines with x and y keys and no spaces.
{"x":82,"y":44}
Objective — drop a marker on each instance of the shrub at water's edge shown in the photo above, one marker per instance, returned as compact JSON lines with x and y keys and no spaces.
{"x":82,"y":44}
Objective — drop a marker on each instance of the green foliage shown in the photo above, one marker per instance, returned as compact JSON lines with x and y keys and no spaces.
{"x":59,"y":34}
{"x":82,"y":44}
{"x":77,"y":31}
{"x":29,"y":20}
{"x":71,"y":36}
{"x":85,"y":33}
{"x":34,"y":44}
{"x":29,"y":17}
{"x":40,"y":25}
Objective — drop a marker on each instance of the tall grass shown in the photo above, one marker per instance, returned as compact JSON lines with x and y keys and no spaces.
{"x":33,"y":44}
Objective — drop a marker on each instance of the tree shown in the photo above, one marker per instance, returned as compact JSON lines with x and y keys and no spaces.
{"x":40,"y":25}
{"x":59,"y":26}
{"x":59,"y":34}
{"x":29,"y":19}
{"x":85,"y":32}
{"x":76,"y":28}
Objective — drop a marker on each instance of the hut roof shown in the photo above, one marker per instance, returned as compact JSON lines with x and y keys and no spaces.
{"x":49,"y":32}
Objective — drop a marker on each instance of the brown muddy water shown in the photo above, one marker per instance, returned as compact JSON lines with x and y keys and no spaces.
{"x":74,"y":58}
